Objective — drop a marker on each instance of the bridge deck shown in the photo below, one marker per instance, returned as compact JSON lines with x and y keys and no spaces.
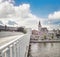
{"x":5,"y":40}
{"x":45,"y":41}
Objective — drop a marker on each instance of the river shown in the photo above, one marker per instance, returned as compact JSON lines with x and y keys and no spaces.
{"x":45,"y":50}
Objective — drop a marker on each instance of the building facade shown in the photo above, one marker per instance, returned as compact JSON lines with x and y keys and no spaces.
{"x":43,"y":33}
{"x":40,"y":33}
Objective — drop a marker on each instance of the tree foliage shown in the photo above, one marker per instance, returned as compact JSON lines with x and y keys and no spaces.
{"x":21,"y":29}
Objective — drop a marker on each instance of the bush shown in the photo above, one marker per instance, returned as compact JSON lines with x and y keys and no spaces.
{"x":21,"y":29}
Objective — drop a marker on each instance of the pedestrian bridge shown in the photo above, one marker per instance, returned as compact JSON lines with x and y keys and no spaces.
{"x":45,"y":41}
{"x":17,"y":46}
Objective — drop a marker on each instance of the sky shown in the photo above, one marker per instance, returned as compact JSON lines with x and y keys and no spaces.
{"x":41,"y":8}
{"x":29,"y":12}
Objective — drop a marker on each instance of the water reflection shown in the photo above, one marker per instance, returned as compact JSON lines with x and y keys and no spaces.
{"x":45,"y":50}
{"x":51,"y":44}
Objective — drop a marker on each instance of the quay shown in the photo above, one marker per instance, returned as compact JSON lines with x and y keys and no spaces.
{"x":45,"y":41}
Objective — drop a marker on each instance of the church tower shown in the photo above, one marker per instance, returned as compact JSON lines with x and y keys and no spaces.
{"x":39,"y":26}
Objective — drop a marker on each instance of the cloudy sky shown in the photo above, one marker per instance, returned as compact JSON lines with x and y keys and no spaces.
{"x":29,"y":12}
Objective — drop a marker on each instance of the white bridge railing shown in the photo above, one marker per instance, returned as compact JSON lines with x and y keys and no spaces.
{"x":17,"y":47}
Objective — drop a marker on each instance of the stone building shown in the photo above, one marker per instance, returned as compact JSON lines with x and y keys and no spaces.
{"x":40,"y":33}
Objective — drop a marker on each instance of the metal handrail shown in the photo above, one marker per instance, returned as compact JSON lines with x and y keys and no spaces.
{"x":11,"y":48}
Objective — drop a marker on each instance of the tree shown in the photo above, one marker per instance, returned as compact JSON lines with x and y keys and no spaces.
{"x":21,"y":29}
{"x":44,"y":36}
{"x":52,"y":36}
{"x":5,"y":27}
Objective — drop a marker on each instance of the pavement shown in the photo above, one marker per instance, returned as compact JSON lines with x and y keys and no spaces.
{"x":7,"y":39}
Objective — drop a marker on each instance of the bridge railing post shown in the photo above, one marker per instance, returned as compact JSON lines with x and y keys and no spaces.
{"x":11,"y":53}
{"x":0,"y":54}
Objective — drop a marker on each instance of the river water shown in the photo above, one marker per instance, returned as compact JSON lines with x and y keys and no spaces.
{"x":45,"y":50}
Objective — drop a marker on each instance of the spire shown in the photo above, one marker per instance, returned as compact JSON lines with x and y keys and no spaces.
{"x":39,"y":24}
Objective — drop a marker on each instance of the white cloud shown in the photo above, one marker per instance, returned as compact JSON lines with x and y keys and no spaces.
{"x":55,"y":15}
{"x":22,"y":10}
{"x":6,"y":9}
{"x":11,"y":1}
{"x":20,"y":14}
{"x":54,"y":20}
